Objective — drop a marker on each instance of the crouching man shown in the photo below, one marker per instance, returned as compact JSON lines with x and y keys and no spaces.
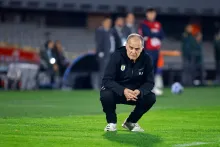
{"x":128,"y":79}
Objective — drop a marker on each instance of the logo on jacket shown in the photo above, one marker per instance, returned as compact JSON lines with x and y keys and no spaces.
{"x":156,"y":25}
{"x":122,"y":67}
{"x":141,"y":73}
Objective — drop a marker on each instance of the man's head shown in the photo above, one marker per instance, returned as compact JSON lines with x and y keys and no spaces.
{"x":58,"y":45}
{"x":130,"y":19}
{"x":119,"y":22}
{"x":49,"y":44}
{"x":189,"y":28}
{"x":107,"y":23}
{"x":134,"y":46}
{"x":151,"y":14}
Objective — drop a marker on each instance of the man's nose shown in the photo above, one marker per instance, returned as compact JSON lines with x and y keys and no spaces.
{"x":133,"y":52}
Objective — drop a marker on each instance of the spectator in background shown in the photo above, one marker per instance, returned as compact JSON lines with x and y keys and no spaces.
{"x":152,"y":32}
{"x":198,"y":56}
{"x":217,"y":56}
{"x":62,"y":62}
{"x":105,"y":46}
{"x":48,"y":60}
{"x":130,"y":27}
{"x":192,"y":56}
{"x":117,"y":32}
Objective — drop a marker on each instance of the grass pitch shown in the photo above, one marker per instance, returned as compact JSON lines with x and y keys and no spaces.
{"x":75,"y":119}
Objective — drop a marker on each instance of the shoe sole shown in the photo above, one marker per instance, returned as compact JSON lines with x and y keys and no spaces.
{"x":110,"y":130}
{"x":137,"y":131}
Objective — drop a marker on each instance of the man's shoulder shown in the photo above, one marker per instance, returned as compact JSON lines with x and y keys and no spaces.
{"x":117,"y":55}
{"x":100,"y":29}
{"x":125,"y":27}
{"x":157,"y":24}
{"x":146,"y":57}
{"x":113,"y":30}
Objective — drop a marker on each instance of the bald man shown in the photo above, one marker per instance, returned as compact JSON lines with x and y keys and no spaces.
{"x":128,"y":79}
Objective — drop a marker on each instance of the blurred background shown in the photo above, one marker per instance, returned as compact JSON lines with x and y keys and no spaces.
{"x":55,"y":43}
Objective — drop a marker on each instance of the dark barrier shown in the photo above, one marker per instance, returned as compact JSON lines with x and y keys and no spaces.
{"x":78,"y":74}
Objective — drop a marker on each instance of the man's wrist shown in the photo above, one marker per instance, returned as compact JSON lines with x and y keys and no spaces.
{"x":140,"y":92}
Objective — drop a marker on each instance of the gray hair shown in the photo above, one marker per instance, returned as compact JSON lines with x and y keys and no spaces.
{"x":133,"y":35}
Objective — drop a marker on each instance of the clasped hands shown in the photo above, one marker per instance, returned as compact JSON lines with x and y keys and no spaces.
{"x":131,"y":95}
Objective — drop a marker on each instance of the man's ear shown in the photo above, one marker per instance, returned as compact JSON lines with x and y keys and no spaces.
{"x":126,"y":45}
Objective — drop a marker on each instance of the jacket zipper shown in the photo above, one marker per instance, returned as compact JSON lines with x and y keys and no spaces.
{"x":132,"y":71}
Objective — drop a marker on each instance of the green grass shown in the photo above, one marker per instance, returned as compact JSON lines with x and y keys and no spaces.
{"x":72,"y":119}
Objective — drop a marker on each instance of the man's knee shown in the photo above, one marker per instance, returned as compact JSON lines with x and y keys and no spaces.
{"x":106,"y":96}
{"x":150,"y":98}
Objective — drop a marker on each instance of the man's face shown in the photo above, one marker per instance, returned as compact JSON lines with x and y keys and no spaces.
{"x":107,"y":23}
{"x":130,"y":19}
{"x":189,"y":28}
{"x":151,"y":16}
{"x":119,"y":22}
{"x":134,"y":48}
{"x":51,"y":45}
{"x":59,"y":45}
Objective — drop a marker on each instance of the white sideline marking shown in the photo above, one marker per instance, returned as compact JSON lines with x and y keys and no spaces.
{"x":191,"y":144}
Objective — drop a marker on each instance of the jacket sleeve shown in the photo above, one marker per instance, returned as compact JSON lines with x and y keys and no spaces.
{"x":110,"y":76}
{"x":99,"y":41}
{"x":149,"y":77}
{"x":146,"y":32}
{"x":159,"y":34}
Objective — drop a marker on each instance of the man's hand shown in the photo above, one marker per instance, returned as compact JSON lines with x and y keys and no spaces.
{"x":55,"y":67}
{"x":130,"y":95}
{"x":136,"y":92}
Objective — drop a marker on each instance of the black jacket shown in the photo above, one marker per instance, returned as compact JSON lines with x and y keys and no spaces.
{"x":123,"y":73}
{"x":118,"y":37}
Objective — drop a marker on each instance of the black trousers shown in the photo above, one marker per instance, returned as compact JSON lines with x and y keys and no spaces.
{"x":109,"y":100}
{"x":192,"y":70}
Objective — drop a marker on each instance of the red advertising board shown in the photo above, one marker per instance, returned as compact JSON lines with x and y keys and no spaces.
{"x":18,"y":55}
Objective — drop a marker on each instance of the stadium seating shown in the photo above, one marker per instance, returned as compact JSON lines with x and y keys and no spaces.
{"x":80,"y":40}
{"x":170,"y":7}
{"x":32,"y":35}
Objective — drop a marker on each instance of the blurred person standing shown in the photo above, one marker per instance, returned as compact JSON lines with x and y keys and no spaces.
{"x":105,"y":46}
{"x":192,"y":56}
{"x":118,"y":32}
{"x":198,"y":60}
{"x":48,"y":61}
{"x":217,"y":56}
{"x":62,"y":62}
{"x":129,"y":27}
{"x":153,"y":34}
